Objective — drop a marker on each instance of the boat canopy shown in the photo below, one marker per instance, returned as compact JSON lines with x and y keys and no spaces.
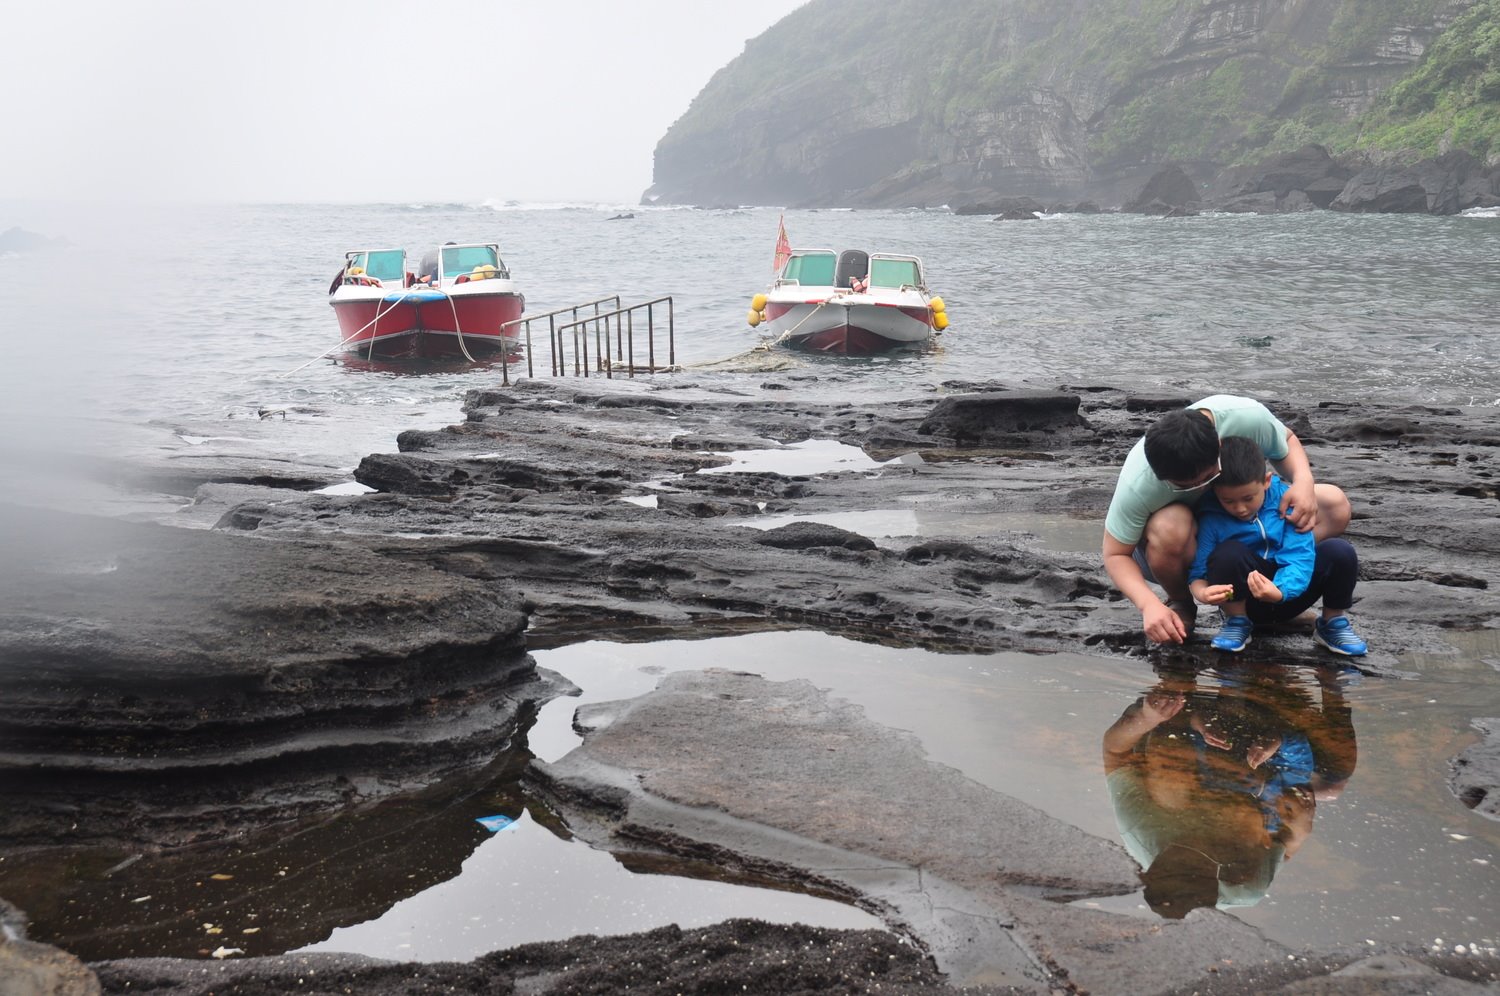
{"x":895,"y":271}
{"x":463,"y":259}
{"x":812,"y":267}
{"x":382,"y":264}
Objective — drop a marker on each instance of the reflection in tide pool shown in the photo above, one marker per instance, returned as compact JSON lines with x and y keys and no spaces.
{"x":525,"y":884}
{"x":1384,"y":852}
{"x":1215,"y":786}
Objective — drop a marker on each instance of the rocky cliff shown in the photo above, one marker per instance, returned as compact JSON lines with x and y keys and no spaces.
{"x":927,"y":102}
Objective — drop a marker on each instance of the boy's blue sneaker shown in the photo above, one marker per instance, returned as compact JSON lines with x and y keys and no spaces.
{"x":1234,"y":635}
{"x":1337,"y":634}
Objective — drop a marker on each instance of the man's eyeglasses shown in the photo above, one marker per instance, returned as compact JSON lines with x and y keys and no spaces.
{"x":1181,"y":488}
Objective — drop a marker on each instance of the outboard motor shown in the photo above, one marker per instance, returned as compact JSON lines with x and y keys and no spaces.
{"x":854,"y":264}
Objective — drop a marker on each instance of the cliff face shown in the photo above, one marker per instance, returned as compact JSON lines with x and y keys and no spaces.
{"x":909,"y":102}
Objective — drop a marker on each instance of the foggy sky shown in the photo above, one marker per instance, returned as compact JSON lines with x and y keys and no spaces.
{"x":306,"y":100}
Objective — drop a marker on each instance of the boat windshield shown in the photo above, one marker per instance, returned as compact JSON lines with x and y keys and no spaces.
{"x":387,"y":264}
{"x":463,"y":259}
{"x":814,"y":269}
{"x":894,"y":273}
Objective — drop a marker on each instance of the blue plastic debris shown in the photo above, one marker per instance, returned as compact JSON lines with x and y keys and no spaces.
{"x":494,"y":824}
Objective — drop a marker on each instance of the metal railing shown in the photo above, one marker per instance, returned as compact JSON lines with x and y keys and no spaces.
{"x":553,"y":343}
{"x":618,"y":322}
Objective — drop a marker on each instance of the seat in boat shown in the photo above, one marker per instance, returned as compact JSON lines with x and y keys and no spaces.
{"x":854,"y":265}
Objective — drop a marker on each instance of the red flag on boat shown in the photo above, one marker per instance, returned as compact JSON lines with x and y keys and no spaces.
{"x":783,"y":247}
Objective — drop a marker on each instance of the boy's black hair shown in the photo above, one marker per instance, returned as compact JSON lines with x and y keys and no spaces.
{"x":1181,"y":445}
{"x":1240,"y":462}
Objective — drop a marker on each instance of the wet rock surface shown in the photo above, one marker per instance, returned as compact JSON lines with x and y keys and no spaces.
{"x":305,"y":621}
{"x":163,"y":686}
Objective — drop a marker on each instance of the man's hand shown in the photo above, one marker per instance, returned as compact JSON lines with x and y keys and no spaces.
{"x":1262,"y":589}
{"x":1299,"y":505}
{"x":1162,"y":625}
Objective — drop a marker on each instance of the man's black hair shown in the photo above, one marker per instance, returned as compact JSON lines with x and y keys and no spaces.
{"x":1182,"y":445}
{"x":1240,"y":462}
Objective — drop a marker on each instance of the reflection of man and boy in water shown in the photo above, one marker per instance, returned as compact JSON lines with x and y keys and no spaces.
{"x":1215,"y":787}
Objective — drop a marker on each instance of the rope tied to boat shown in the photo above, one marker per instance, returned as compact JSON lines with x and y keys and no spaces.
{"x":379,"y":314}
{"x":788,"y":333}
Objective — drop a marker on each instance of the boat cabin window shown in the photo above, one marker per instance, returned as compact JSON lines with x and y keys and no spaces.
{"x":894,"y":273}
{"x":814,"y":269}
{"x":387,"y":264}
{"x":463,"y":259}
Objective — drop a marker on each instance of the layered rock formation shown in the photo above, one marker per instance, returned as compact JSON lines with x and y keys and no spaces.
{"x":924,"y":103}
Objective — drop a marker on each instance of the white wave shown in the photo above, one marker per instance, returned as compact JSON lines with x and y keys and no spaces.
{"x":1481,"y":213}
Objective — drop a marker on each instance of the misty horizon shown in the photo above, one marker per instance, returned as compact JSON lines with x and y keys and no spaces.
{"x":170,"y":101}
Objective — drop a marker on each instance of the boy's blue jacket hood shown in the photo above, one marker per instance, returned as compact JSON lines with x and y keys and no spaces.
{"x":1268,"y":534}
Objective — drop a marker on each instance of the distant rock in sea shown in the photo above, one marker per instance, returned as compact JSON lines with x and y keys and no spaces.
{"x":20,"y":240}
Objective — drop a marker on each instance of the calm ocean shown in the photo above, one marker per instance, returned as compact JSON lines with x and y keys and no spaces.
{"x":192,"y":317}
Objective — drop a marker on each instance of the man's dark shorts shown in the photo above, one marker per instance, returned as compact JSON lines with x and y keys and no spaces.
{"x":1139,"y":556}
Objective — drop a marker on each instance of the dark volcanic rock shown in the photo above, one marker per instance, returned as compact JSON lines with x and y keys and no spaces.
{"x":1444,"y":185}
{"x":735,"y":956}
{"x":1003,"y":206}
{"x":140,"y":663}
{"x":1167,"y":189}
{"x":801,"y":535}
{"x":1012,"y":419}
{"x":1266,"y":186}
{"x":1476,"y":772}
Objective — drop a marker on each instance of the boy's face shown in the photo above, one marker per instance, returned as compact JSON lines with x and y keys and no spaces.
{"x":1243,"y":500}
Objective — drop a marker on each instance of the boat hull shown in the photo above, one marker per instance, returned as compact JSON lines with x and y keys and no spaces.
{"x":855,"y":325}
{"x":422,"y":323}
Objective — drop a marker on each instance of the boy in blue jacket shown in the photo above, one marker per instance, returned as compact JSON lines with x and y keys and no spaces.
{"x":1245,"y":547}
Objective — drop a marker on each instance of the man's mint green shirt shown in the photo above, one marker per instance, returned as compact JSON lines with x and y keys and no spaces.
{"x":1139,"y":493}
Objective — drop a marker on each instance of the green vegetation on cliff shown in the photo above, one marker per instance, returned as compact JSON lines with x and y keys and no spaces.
{"x":1452,"y":99}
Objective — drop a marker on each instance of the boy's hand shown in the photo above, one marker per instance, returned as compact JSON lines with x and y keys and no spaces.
{"x":1217,"y":594}
{"x":1262,"y":589}
{"x":1160,"y":706}
{"x":1262,"y":749}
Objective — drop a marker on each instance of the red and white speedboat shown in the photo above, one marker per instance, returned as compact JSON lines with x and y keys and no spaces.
{"x":455,"y":304}
{"x":851,"y":303}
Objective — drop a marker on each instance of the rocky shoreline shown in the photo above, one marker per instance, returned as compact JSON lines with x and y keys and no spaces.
{"x":317,"y":653}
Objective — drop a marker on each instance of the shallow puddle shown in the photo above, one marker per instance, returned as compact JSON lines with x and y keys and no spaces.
{"x":1390,"y":856}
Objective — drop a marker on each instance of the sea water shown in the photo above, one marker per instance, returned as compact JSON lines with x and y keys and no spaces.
{"x":206,"y":318}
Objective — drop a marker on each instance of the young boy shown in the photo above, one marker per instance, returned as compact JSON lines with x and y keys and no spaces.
{"x":1245,"y":547}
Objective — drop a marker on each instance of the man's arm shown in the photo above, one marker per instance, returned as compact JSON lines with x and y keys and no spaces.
{"x":1155,"y":707}
{"x":1297,"y":473}
{"x":1160,"y":623}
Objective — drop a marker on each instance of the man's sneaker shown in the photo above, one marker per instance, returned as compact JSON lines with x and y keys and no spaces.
{"x":1337,"y":634}
{"x":1234,"y":635}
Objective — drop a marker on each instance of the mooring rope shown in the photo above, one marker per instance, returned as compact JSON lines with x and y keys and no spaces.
{"x":353,"y":335}
{"x":454,"y":308}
